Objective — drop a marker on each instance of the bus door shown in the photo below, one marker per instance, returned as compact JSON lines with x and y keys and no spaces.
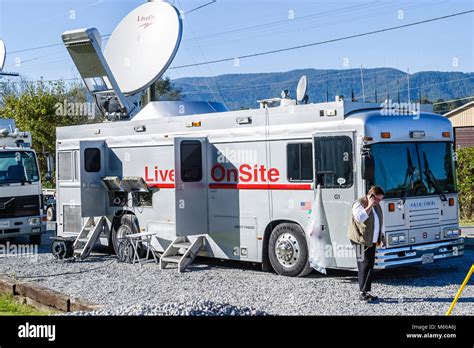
{"x":191,"y":180}
{"x":335,"y":172}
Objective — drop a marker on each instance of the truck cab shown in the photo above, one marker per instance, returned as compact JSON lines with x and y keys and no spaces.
{"x":21,"y":201}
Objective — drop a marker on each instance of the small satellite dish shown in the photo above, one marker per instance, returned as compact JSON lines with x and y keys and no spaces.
{"x":143,"y":45}
{"x":285,"y":94}
{"x":301,"y":96}
{"x":3,"y":54}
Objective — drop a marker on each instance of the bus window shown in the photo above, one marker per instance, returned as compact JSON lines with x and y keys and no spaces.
{"x":191,"y":161}
{"x":65,"y":166}
{"x":333,"y":158}
{"x":92,"y":160}
{"x":299,"y":159}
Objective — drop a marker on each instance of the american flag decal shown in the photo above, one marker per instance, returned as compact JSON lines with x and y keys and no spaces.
{"x":306,"y":205}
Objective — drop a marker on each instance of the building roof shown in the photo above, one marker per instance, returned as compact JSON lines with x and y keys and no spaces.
{"x":459,"y":109}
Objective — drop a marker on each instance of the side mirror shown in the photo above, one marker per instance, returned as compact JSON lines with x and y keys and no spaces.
{"x":49,"y":166}
{"x":368,"y":166}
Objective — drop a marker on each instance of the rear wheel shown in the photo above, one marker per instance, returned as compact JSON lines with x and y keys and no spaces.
{"x":128,"y":225}
{"x":288,"y":251}
{"x":62,"y":249}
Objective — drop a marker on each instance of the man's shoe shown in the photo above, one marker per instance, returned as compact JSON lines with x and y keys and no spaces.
{"x":372,"y":297}
{"x":364,"y":297}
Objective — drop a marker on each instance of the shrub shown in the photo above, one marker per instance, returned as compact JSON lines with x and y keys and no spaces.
{"x":465,"y":175}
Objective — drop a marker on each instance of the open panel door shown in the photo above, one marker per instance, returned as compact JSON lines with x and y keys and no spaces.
{"x":93,"y":193}
{"x":334,"y":167}
{"x":191,"y":180}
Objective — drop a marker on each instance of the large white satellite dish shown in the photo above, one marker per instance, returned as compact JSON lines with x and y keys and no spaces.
{"x":3,"y":54}
{"x":143,"y":45}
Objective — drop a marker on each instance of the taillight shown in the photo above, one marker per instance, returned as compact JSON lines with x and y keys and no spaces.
{"x":451,"y":202}
{"x":391,"y":207}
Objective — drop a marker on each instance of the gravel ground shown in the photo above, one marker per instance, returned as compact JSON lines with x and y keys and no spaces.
{"x":195,"y":308}
{"x":209,"y":284}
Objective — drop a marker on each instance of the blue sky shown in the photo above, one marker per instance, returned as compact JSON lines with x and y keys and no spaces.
{"x":231,"y":28}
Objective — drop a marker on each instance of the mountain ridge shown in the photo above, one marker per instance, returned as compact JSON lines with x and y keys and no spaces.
{"x":243,"y":90}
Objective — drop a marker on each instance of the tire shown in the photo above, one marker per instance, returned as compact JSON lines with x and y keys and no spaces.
{"x":288,"y":251}
{"x":51,"y":214}
{"x":307,"y":270}
{"x":35,"y":239}
{"x":62,"y":249}
{"x":128,"y":225}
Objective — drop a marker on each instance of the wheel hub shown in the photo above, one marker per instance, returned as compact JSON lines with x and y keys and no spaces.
{"x":287,"y":250}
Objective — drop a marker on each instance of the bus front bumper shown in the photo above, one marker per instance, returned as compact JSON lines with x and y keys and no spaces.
{"x":418,"y":254}
{"x":19,"y":226}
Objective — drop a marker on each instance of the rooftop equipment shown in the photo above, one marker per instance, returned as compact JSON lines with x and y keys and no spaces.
{"x":138,"y":53}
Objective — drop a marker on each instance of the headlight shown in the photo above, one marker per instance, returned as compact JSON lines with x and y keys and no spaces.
{"x":398,"y":238}
{"x":394,"y":240}
{"x":452,"y":232}
{"x":34,"y":221}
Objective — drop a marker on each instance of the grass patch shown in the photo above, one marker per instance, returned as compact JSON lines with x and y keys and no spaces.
{"x":466,"y":222}
{"x":9,"y":306}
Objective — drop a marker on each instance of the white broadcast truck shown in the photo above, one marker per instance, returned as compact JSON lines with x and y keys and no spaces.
{"x":21,"y":201}
{"x":240,"y":185}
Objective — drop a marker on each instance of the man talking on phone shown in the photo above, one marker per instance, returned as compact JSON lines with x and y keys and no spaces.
{"x":365,"y":233}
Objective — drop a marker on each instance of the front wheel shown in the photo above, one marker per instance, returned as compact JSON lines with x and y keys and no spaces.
{"x":288,"y":251}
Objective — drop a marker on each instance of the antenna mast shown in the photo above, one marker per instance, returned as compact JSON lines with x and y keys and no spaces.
{"x":362,"y":83}
{"x":408,"y":81}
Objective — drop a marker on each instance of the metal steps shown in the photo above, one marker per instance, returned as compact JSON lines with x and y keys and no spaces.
{"x":182,"y":252}
{"x":172,"y":259}
{"x":88,"y":236}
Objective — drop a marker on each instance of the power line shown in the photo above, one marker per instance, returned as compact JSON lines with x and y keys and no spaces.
{"x":452,"y":100}
{"x":267,"y":29}
{"x":199,"y":7}
{"x":423,"y":86}
{"x":322,"y":42}
{"x":47,"y":46}
{"x":103,"y":36}
{"x":202,"y":54}
{"x":285,"y":21}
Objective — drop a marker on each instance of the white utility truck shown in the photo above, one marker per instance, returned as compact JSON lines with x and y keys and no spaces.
{"x":240,"y":185}
{"x":21,"y":201}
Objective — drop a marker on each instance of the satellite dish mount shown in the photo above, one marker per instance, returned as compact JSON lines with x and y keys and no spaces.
{"x":138,"y":53}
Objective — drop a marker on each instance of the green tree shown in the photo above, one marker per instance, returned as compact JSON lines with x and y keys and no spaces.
{"x":164,"y":90}
{"x":465,"y":175}
{"x":37,"y":107}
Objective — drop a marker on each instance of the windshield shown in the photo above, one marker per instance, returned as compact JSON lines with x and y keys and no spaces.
{"x":414,"y":169}
{"x":18,"y":167}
